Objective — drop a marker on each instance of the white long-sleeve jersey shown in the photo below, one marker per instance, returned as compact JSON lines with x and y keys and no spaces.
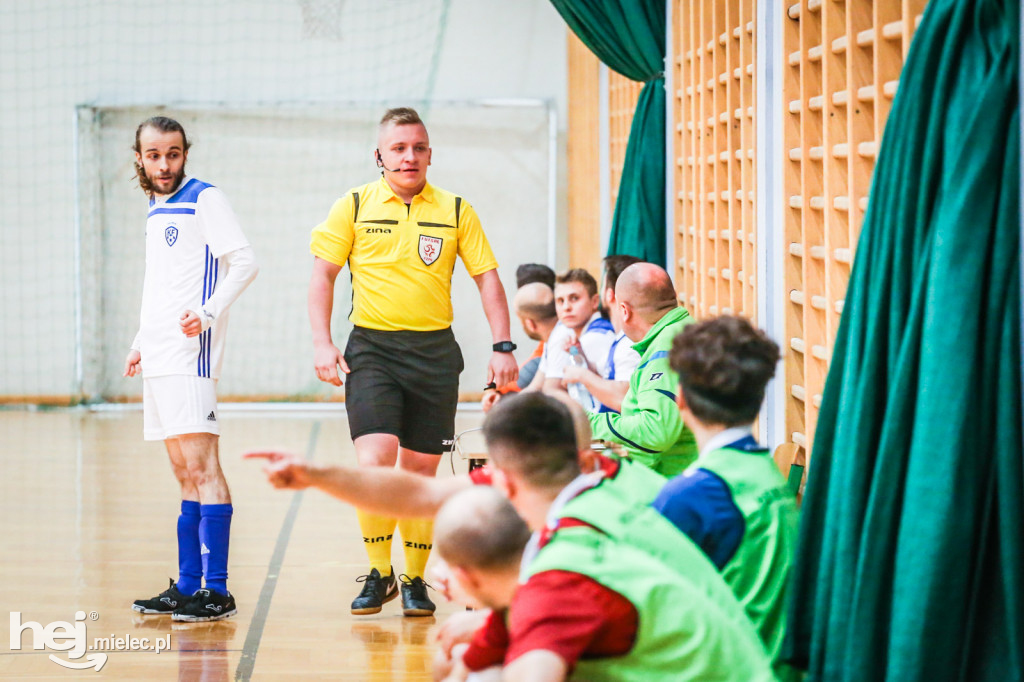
{"x":197,"y":259}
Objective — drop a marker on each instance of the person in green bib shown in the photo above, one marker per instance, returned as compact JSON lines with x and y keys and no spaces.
{"x":610,"y":589}
{"x":733,"y":502}
{"x":656,"y":625}
{"x":649,"y":424}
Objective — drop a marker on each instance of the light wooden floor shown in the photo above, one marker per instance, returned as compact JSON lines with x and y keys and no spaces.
{"x":87,"y":523}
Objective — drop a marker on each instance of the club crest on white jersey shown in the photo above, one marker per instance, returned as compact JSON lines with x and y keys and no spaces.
{"x":171,"y":234}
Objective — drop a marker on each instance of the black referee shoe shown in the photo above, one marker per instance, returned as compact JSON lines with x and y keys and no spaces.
{"x":415,"y":601}
{"x":164,"y":603}
{"x":377,"y":591}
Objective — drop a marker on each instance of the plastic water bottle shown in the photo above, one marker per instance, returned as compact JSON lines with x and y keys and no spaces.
{"x":577,"y":390}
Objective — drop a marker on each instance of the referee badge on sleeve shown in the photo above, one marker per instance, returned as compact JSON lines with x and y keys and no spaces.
{"x":430,"y":249}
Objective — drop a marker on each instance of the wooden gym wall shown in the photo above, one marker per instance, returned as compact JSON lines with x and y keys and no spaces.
{"x":586,"y":247}
{"x":840,"y":64}
{"x":840,"y":70}
{"x":842,"y":67}
{"x":583,"y":156}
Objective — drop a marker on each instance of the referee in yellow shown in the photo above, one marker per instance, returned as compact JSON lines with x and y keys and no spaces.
{"x":400,"y":236}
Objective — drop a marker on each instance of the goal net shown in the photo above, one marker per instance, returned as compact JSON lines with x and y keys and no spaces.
{"x":280,"y":98}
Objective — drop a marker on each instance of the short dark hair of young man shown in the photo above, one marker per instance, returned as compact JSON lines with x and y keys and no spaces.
{"x":534,"y":272}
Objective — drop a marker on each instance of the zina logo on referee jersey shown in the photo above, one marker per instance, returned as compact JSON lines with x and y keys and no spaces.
{"x":430,"y":248}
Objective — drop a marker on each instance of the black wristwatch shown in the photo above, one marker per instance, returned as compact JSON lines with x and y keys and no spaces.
{"x":503,"y":347}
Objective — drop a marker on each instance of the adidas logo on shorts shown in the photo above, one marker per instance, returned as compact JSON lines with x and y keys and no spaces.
{"x":211,"y":417}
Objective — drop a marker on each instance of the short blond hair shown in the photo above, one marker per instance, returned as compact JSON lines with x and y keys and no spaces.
{"x":401,"y":116}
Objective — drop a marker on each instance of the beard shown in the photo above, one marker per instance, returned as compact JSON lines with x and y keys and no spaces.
{"x":158,"y":184}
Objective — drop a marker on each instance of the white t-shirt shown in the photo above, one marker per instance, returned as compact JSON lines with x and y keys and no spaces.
{"x":596,"y":339}
{"x":624,"y":359}
{"x":186,"y":235}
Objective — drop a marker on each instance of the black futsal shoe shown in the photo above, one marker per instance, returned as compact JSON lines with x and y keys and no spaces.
{"x":206,"y":605}
{"x":166,"y":602}
{"x":415,"y":601}
{"x":377,"y":591}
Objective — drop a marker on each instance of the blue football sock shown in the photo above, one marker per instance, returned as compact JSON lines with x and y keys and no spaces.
{"x":214,"y":533}
{"x":190,"y":564}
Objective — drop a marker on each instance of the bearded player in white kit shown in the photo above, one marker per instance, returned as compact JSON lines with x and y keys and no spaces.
{"x":198,"y":261}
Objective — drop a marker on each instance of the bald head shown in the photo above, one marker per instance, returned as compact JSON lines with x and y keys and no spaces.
{"x":535,"y":301}
{"x":478,"y":528}
{"x":580,"y":421}
{"x":647,"y":289}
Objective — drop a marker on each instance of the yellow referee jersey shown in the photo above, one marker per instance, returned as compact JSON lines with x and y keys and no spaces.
{"x":402,"y":257}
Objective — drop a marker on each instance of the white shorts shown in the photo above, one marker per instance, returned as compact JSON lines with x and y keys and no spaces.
{"x":177,"y":404}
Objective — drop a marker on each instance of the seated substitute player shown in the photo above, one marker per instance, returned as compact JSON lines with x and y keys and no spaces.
{"x":400,"y":237}
{"x":650,"y":425}
{"x":534,"y":272}
{"x":580,"y":324}
{"x":537,"y":462}
{"x":534,"y":305}
{"x":610,"y":387}
{"x":526,"y":274}
{"x":198,"y":261}
{"x":733,"y":501}
{"x":591,"y":604}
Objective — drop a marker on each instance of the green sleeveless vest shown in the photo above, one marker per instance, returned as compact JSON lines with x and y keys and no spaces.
{"x":682,"y":634}
{"x":759,"y":571}
{"x":633,"y":483}
{"x":621,"y":509}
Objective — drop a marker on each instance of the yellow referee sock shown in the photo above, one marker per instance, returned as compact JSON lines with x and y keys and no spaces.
{"x":377,"y":533}
{"x":418,"y":540}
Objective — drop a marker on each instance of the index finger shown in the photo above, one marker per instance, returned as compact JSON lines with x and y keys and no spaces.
{"x":263,"y":454}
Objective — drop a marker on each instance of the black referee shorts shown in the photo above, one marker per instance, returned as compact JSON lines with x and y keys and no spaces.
{"x":404,"y":383}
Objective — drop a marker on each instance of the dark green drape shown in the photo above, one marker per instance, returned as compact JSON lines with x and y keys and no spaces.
{"x":630,"y":38}
{"x":910,"y":564}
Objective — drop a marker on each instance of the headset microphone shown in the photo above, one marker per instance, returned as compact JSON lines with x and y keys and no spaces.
{"x":380,"y":163}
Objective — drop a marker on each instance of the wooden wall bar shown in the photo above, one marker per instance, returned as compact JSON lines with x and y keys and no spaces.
{"x":716,"y":235}
{"x":840,"y":68}
{"x":843,"y":61}
{"x":622,"y":96}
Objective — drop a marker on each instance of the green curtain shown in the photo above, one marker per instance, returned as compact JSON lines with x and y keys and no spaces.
{"x":630,"y":38}
{"x":910,"y":563}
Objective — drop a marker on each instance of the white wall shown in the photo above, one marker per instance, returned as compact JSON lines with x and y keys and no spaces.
{"x":56,"y":55}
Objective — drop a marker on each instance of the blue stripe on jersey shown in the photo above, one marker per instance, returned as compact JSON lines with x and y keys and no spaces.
{"x":611,"y":359}
{"x":600,"y":324}
{"x":208,"y":346}
{"x":671,"y":396}
{"x":186,"y":211}
{"x":206,"y":338}
{"x":199,"y":360}
{"x":189,"y":193}
{"x":209,"y":276}
{"x":656,"y":356}
{"x":746,"y":444}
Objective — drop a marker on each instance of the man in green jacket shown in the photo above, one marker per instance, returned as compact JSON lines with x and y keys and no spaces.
{"x":649,"y":425}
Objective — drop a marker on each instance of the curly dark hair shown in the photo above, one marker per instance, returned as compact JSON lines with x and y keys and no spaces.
{"x":164,"y":125}
{"x":724,"y":365}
